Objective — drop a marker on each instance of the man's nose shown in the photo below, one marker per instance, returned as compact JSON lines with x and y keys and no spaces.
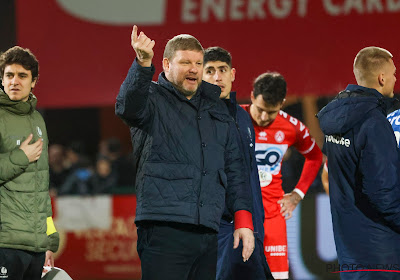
{"x":15,"y":80}
{"x":195,"y":68}
{"x":217,"y":76}
{"x":264,"y":116}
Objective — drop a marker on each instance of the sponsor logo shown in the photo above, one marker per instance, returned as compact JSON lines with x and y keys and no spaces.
{"x":277,"y":250}
{"x":39,"y":131}
{"x":269,"y":156}
{"x":265,"y":178}
{"x":279,"y":136}
{"x":338,"y":140}
{"x":262,"y":136}
{"x":3,"y":272}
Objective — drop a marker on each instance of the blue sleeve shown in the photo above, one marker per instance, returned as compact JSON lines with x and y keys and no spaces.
{"x":238,"y":195}
{"x":379,"y":164}
{"x":394,"y":119}
{"x":132,"y":104}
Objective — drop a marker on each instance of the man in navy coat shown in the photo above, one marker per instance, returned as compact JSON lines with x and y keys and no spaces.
{"x":364,"y":170}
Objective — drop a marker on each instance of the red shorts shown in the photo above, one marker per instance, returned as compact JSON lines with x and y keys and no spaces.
{"x":275,"y":246}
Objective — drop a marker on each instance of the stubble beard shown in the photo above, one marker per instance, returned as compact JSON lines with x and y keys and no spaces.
{"x":185,"y":92}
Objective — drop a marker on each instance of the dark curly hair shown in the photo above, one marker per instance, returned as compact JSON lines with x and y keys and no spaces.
{"x":272,"y":87}
{"x":21,"y":56}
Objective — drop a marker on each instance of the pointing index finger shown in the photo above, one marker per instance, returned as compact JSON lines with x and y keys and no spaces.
{"x":134,"y":33}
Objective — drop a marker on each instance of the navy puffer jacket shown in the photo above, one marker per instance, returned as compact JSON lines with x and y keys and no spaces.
{"x":246,"y":140}
{"x":188,"y":159}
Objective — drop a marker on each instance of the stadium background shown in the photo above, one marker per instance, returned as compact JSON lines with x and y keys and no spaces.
{"x":84,"y":51}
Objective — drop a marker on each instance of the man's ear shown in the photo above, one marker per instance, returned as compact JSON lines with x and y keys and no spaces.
{"x":283,"y":102}
{"x":381,"y":79}
{"x":252,"y":96}
{"x":233,"y":74}
{"x":165,"y":63}
{"x":33,"y":84}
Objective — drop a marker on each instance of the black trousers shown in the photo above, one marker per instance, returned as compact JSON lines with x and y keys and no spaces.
{"x":21,"y":265}
{"x":172,"y":251}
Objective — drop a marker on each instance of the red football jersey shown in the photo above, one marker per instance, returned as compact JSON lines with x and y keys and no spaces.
{"x":272,"y":143}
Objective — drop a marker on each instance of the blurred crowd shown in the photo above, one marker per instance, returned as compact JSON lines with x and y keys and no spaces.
{"x":74,"y":172}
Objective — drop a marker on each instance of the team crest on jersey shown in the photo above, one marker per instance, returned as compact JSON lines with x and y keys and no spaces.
{"x":3,"y":272}
{"x":279,"y":136}
{"x":39,"y":131}
{"x":263,"y":135}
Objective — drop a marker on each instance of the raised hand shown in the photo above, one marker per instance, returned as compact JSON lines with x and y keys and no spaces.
{"x":32,"y":151}
{"x":143,"y":47}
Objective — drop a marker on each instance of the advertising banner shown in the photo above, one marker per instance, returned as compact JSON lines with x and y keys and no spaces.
{"x":84,"y":45}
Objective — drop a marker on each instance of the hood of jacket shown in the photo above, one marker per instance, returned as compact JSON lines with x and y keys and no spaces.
{"x":350,"y":107}
{"x":18,"y":107}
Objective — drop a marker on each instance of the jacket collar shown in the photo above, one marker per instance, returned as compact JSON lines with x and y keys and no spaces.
{"x":231,"y":103}
{"x":361,"y":89}
{"x":232,"y":97}
{"x":18,"y":107}
{"x":356,"y":90}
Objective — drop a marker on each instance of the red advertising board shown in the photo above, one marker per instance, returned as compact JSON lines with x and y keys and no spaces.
{"x":84,"y":45}
{"x":100,"y":253}
{"x":88,"y":252}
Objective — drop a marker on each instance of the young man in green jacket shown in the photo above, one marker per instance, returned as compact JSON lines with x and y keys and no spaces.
{"x":28,"y":237}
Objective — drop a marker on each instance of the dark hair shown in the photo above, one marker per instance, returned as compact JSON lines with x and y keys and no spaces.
{"x":217,"y":54}
{"x":21,"y":56}
{"x":272,"y":87}
{"x":182,"y":42}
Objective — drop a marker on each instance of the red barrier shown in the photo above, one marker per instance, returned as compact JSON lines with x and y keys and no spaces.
{"x":102,"y":253}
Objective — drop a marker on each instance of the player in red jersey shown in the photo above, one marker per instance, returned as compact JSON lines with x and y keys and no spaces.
{"x":275,"y":132}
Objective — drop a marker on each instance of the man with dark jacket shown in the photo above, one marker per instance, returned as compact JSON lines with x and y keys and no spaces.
{"x":363,"y":162}
{"x":218,"y":70}
{"x":28,"y":237}
{"x":188,"y":159}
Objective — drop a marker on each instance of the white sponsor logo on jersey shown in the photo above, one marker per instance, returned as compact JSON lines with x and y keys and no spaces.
{"x":277,"y":250}
{"x":262,"y":135}
{"x":265,"y":178}
{"x":269,"y":157}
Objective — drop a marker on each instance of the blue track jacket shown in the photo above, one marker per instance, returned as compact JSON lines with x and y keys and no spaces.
{"x":363,"y":162}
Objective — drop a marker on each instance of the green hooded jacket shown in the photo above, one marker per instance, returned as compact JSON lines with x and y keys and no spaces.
{"x":25,"y":203}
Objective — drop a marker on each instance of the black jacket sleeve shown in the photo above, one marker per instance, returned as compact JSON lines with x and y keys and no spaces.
{"x":133,"y":104}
